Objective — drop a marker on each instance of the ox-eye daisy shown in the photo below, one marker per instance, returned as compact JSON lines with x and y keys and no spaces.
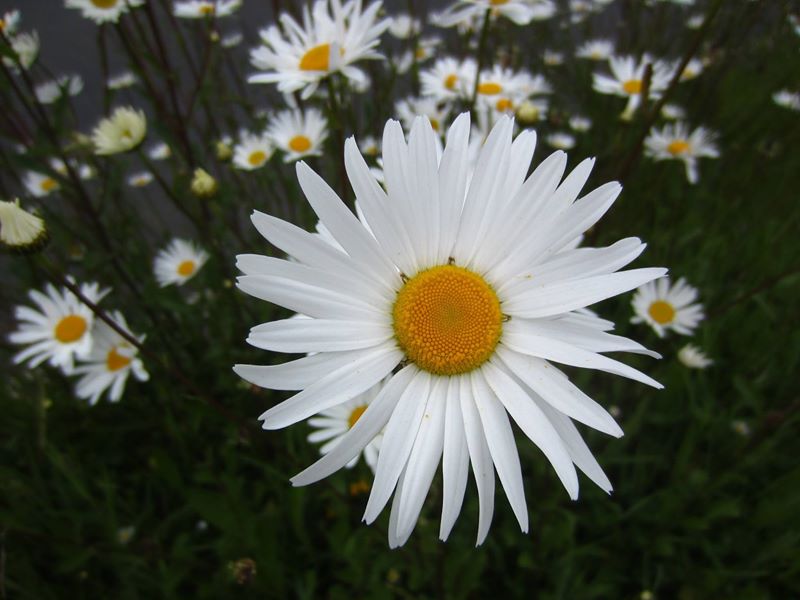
{"x":331,"y":425}
{"x":407,"y":109}
{"x":20,"y":231}
{"x":675,"y":141}
{"x":122,"y":131}
{"x":109,"y":363}
{"x":460,"y":295}
{"x":627,"y":80}
{"x":448,"y":79}
{"x":332,"y":37}
{"x":298,"y":133}
{"x":252,"y":152}
{"x":178,"y":262}
{"x":103,"y":11}
{"x":199,"y":9}
{"x":60,"y":330}
{"x":520,"y":12}
{"x":664,"y":307}
{"x":598,"y":50}
{"x":40,"y":185}
{"x":692,"y":357}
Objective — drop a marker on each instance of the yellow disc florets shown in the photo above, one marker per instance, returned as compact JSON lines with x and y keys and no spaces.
{"x":447,"y":320}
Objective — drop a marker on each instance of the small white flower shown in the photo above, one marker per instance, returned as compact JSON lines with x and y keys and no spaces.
{"x":298,"y":134}
{"x":369,"y":145}
{"x":26,"y":47}
{"x":403,"y":26}
{"x":178,"y":262}
{"x":448,"y":79}
{"x":691,"y":356}
{"x":160,"y":151}
{"x":787,"y":99}
{"x":520,"y":12}
{"x":50,"y":91}
{"x":741,"y":427}
{"x":122,"y":131}
{"x":19,"y":229}
{"x":125,"y":534}
{"x":140,"y":179}
{"x":664,"y":307}
{"x":675,"y":141}
{"x":425,"y":50}
{"x":232,"y":39}
{"x":695,"y":21}
{"x":109,"y":363}
{"x":331,"y":425}
{"x":200,"y":9}
{"x":673,"y":112}
{"x":408,"y":109}
{"x":60,"y":330}
{"x":561,"y":140}
{"x":103,"y":11}
{"x":692,"y":69}
{"x":598,"y":50}
{"x":552,"y":58}
{"x":40,"y":185}
{"x":627,"y":80}
{"x":121,"y":80}
{"x":9,"y":22}
{"x":503,"y":89}
{"x":252,"y":152}
{"x":580,"y":123}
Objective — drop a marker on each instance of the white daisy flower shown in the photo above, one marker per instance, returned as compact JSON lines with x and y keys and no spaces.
{"x":695,"y":21}
{"x":20,"y":231}
{"x":448,"y":79}
{"x":26,"y":47}
{"x":503,"y":89}
{"x":408,"y":109}
{"x":140,"y":179}
{"x":298,"y":133}
{"x":692,"y":69}
{"x":252,"y":152}
{"x":552,"y":58}
{"x":627,"y":80}
{"x":741,"y":427}
{"x":60,"y":330}
{"x":461,"y":295}
{"x":50,"y":91}
{"x":674,"y":141}
{"x":580,"y":123}
{"x":425,"y":50}
{"x":598,"y":50}
{"x":692,"y":357}
{"x":40,"y":185}
{"x":103,"y":11}
{"x":787,"y":99}
{"x":369,"y":145}
{"x":200,"y":9}
{"x":178,"y":262}
{"x":331,"y":424}
{"x":122,"y":131}
{"x":9,"y":22}
{"x":664,"y":307}
{"x":561,"y":140}
{"x":520,"y":12}
{"x":673,"y":112}
{"x":122,"y":80}
{"x":160,"y":151}
{"x":331,"y":39}
{"x":403,"y":26}
{"x":109,"y":363}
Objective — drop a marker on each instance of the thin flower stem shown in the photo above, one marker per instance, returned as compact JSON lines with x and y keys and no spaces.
{"x":337,"y":125}
{"x":481,"y":51}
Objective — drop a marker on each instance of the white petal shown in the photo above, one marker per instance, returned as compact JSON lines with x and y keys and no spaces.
{"x":297,"y":374}
{"x":452,"y":184}
{"x":455,"y":460}
{"x":318,"y":335}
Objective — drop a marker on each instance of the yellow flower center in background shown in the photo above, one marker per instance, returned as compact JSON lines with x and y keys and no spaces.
{"x":504,"y":104}
{"x":421,"y":53}
{"x":207,"y":9}
{"x":489,"y":88}
{"x":300,"y":143}
{"x":257,"y":158}
{"x":2,"y":24}
{"x":316,"y":59}
{"x":662,"y":312}
{"x":498,"y":2}
{"x":447,"y":320}
{"x":186,"y":268}
{"x":70,"y":329}
{"x":632,"y":86}
{"x":115,"y":361}
{"x":356,"y":415}
{"x":48,"y":184}
{"x":451,"y":81}
{"x":434,"y":123}
{"x":678,"y":147}
{"x":104,"y":3}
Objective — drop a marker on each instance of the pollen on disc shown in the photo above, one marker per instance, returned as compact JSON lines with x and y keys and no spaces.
{"x":447,"y":320}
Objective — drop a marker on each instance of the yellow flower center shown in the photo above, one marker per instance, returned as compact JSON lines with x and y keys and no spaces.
{"x":70,"y":329}
{"x":2,"y":24}
{"x":48,"y":184}
{"x":421,"y":53}
{"x":104,"y":4}
{"x":316,"y":59}
{"x":489,"y":88}
{"x":115,"y":361}
{"x":447,"y":320}
{"x":355,"y":415}
{"x":632,"y":86}
{"x":207,"y":9}
{"x":300,"y":143}
{"x":451,"y":81}
{"x":498,"y":2}
{"x":678,"y":147}
{"x":504,"y":104}
{"x":662,"y":312}
{"x":434,"y":123}
{"x":257,"y":158}
{"x":186,"y":268}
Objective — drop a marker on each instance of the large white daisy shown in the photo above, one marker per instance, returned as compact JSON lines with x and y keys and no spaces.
{"x":59,"y":330}
{"x":331,"y":39}
{"x":461,"y":295}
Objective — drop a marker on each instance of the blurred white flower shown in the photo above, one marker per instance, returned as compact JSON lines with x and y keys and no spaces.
{"x":297,"y":133}
{"x":787,"y":99}
{"x":692,"y":357}
{"x":103,"y":11}
{"x":666,"y":307}
{"x":178,"y":262}
{"x":122,"y":131}
{"x":200,"y":9}
{"x":20,"y":231}
{"x":627,"y":80}
{"x":50,"y":91}
{"x":674,"y":141}
{"x":252,"y":152}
